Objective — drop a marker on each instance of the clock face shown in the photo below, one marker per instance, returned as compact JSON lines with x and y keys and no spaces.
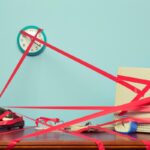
{"x":23,"y":41}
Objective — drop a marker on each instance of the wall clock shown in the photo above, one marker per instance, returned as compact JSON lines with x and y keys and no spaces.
{"x":23,"y":41}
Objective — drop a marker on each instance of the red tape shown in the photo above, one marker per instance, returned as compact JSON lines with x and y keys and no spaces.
{"x":130,"y":105}
{"x":134,"y":104}
{"x":98,"y":70}
{"x":20,"y":62}
{"x":98,"y":142}
{"x":65,"y":107}
{"x":109,"y":76}
{"x":137,"y":97}
{"x":132,"y":79}
{"x":37,"y":121}
{"x":98,"y":127}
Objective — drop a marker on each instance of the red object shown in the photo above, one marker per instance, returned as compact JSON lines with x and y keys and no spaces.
{"x":9,"y":119}
{"x":19,"y":64}
{"x":46,"y":120}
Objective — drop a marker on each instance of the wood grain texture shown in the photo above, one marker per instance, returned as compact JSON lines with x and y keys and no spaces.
{"x":63,"y":141}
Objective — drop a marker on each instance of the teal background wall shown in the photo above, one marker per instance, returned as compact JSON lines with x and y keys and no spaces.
{"x":106,"y":33}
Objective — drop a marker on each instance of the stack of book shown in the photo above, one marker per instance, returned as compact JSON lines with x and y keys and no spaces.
{"x":125,"y":95}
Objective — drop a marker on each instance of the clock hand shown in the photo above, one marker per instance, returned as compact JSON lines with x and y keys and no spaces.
{"x":37,"y":44}
{"x":19,"y":63}
{"x":27,"y":38}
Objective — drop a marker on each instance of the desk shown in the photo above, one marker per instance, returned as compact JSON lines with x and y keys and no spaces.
{"x":63,"y":141}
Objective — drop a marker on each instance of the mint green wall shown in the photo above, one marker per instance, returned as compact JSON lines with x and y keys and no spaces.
{"x":106,"y":33}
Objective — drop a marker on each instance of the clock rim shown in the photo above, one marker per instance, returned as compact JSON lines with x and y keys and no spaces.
{"x":31,"y":53}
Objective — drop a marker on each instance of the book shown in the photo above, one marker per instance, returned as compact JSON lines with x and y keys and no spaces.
{"x":125,"y":95}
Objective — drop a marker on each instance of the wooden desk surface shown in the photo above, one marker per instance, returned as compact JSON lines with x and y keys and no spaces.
{"x":63,"y":141}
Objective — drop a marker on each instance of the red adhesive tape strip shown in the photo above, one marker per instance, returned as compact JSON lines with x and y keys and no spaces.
{"x":145,"y":142}
{"x":98,"y":127}
{"x":142,"y":109}
{"x":19,"y":63}
{"x":131,"y":87}
{"x":130,"y":105}
{"x":65,"y":107}
{"x":137,"y":97}
{"x":98,"y":142}
{"x":138,"y":109}
{"x":80,"y":61}
{"x":132,"y":79}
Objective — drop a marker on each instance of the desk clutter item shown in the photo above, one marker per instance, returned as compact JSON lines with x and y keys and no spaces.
{"x":88,"y":127}
{"x":9,"y":119}
{"x":45,"y":123}
{"x":127,"y":127}
{"x":65,"y":141}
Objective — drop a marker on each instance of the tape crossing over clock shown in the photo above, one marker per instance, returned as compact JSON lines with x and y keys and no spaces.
{"x":23,"y":41}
